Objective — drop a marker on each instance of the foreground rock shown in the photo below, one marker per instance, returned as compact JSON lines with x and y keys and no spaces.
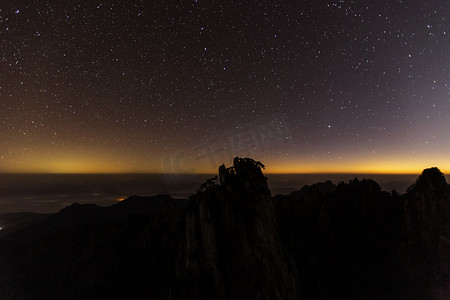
{"x":232,"y":246}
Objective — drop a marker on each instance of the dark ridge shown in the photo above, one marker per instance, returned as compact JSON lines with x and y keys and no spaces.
{"x":13,"y":222}
{"x":233,"y":240}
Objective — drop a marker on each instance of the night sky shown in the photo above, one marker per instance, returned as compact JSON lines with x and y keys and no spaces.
{"x":183,"y":86}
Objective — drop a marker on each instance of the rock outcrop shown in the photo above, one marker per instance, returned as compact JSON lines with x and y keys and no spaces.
{"x":425,"y":250}
{"x":233,"y":249}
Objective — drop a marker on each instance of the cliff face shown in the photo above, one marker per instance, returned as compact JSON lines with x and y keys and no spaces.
{"x":354,"y":241}
{"x":298,"y":216}
{"x":426,"y":247}
{"x":232,"y":245}
{"x":358,"y":229}
{"x":425,"y":205}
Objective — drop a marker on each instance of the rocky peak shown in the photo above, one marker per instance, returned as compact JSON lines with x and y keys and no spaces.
{"x":244,"y":176}
{"x":432,"y":179}
{"x":232,"y":240}
{"x":426,"y":222}
{"x":428,"y":197}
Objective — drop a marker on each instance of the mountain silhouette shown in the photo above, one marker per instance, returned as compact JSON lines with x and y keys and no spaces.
{"x":233,"y":240}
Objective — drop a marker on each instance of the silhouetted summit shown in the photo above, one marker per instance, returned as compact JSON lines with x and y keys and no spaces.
{"x":246,"y":171}
{"x":427,"y":228}
{"x":232,"y":240}
{"x":232,"y":247}
{"x":431,"y":177}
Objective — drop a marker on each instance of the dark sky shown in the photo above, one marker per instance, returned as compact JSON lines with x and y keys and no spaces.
{"x":182,"y":86}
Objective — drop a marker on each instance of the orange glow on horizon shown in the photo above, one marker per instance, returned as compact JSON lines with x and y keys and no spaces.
{"x":371,"y":167}
{"x":115,"y":163}
{"x":299,"y":168}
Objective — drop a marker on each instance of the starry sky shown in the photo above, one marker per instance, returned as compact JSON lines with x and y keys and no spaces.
{"x":183,"y":86}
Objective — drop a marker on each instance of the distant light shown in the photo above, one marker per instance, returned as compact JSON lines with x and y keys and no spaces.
{"x":17,"y":11}
{"x":1,"y":228}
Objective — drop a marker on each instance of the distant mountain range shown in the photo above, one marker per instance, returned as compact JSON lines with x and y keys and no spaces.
{"x":233,"y":240}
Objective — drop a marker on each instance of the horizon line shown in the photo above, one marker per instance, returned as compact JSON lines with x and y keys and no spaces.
{"x":209,"y":174}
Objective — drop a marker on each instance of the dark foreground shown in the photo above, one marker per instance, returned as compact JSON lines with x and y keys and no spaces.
{"x":232,"y":240}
